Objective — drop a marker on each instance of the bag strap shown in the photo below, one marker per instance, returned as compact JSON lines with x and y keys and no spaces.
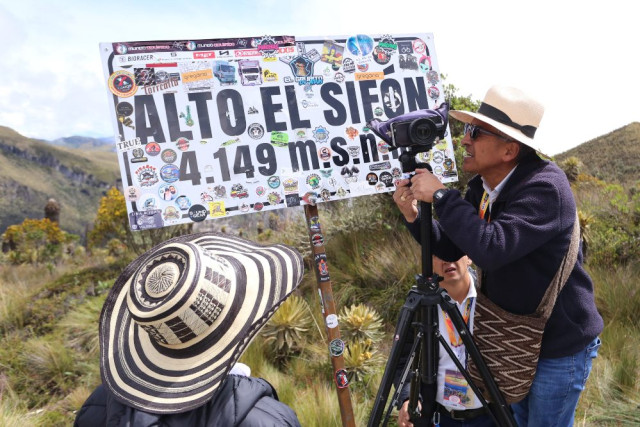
{"x":564,"y":271}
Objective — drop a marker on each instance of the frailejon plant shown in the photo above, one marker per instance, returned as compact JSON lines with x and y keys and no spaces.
{"x":362,"y":329}
{"x":360,"y":324}
{"x":361,"y":360}
{"x":285,"y":332}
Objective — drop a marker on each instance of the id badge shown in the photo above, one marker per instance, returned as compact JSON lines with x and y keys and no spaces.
{"x":456,"y":390}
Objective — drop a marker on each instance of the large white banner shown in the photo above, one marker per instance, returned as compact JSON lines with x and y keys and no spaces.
{"x":213,"y":128}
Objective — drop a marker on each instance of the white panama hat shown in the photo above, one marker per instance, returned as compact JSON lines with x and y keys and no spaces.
{"x":509,"y":110}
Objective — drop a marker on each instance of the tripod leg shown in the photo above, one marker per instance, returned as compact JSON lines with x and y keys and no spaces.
{"x":399,"y":340}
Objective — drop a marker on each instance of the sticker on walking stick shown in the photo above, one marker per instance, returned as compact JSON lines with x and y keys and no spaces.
{"x":336,"y":347}
{"x":332,"y":321}
{"x":342,"y":381}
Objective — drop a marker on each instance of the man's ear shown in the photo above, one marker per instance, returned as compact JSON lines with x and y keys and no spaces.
{"x":512,"y":149}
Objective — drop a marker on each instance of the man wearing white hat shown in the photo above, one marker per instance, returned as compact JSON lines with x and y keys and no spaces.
{"x":173,"y":327}
{"x":516,"y":221}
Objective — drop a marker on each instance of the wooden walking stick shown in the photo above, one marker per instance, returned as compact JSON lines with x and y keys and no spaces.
{"x":336,"y":345}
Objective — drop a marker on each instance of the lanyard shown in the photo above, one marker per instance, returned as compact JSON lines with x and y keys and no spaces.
{"x":484,"y":204}
{"x":454,"y":339}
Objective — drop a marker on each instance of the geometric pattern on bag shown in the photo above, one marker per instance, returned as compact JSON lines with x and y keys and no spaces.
{"x":510,"y":346}
{"x":510,"y":343}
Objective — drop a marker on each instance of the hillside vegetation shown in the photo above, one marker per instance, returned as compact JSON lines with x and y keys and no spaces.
{"x":614,"y":157}
{"x":49,"y":312}
{"x":34,"y":171}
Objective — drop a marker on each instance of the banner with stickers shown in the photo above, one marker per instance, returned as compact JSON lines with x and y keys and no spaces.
{"x":213,"y":128}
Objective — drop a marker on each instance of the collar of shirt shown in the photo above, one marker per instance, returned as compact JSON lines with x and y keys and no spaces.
{"x":493,"y":194}
{"x":472,"y":289}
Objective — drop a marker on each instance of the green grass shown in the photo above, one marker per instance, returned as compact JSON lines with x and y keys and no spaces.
{"x":49,"y":345}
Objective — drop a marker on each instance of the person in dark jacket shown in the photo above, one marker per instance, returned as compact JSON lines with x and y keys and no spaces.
{"x":515,"y":221}
{"x":242,"y":401}
{"x":174,"y":325}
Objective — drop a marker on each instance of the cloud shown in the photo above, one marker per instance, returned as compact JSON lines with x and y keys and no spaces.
{"x":575,"y":58}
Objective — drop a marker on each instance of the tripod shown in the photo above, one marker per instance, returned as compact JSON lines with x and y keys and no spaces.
{"x":420,"y":312}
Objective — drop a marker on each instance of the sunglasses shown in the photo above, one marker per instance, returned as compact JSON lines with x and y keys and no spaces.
{"x":474,"y":130}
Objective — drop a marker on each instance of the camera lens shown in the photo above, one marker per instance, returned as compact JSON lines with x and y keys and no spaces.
{"x":422,"y":131}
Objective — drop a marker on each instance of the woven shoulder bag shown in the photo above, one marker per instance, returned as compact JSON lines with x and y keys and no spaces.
{"x":510,"y":343}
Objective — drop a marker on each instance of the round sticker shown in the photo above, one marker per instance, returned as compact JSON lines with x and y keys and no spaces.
{"x":122,"y":84}
{"x":197,"y":213}
{"x":152,"y":148}
{"x":255,"y":130}
{"x":168,"y":192}
{"x":360,"y":45}
{"x":336,"y":347}
{"x":168,"y":155}
{"x":124,"y":109}
{"x":169,"y":173}
{"x":182,"y":144}
{"x":132,"y":194}
{"x":273,"y":181}
{"x":332,"y":321}
{"x":317,"y":239}
{"x":171,"y":214}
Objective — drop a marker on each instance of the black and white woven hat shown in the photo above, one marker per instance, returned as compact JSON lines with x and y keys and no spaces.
{"x":179,"y":317}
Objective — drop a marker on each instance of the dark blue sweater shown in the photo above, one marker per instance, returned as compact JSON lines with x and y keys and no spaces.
{"x":521,"y":248}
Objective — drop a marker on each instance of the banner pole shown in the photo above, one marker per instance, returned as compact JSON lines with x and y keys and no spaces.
{"x":336,"y":345}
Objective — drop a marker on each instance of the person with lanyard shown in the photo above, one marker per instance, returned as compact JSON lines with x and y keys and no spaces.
{"x":455,"y":401}
{"x":515,"y":221}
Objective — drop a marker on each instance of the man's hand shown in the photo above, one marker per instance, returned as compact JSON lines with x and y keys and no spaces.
{"x":423,"y":185}
{"x":403,"y":415}
{"x":403,"y":196}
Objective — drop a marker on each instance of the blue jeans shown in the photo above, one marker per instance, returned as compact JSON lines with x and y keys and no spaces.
{"x":556,"y":389}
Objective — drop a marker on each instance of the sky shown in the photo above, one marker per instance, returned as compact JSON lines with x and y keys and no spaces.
{"x":578,"y":58}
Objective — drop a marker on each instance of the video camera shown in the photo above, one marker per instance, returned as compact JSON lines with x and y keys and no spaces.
{"x":417,"y":132}
{"x":418,"y":129}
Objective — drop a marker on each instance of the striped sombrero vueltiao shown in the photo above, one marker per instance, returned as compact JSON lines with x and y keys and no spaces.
{"x":179,"y":317}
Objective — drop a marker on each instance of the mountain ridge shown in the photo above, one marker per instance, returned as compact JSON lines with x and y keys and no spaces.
{"x":78,"y":170}
{"x":33,"y":171}
{"x":612,"y":157}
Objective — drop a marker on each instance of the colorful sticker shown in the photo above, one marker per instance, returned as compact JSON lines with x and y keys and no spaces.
{"x":170,"y":173}
{"x":342,"y":381}
{"x":217,"y":209}
{"x":182,"y":144}
{"x":147,"y":175}
{"x":168,"y":192}
{"x":456,"y":390}
{"x":314,"y":224}
{"x":122,"y":83}
{"x":336,"y":347}
{"x":168,"y":155}
{"x":321,"y":267}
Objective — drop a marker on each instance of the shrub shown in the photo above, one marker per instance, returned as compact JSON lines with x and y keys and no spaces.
{"x":284,"y":332}
{"x":360,"y":324}
{"x":35,"y":241}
